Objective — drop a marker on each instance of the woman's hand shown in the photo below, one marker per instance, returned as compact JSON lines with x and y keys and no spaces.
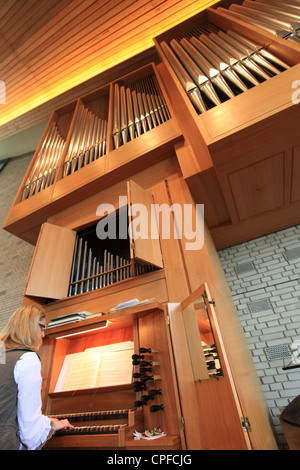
{"x":60,"y":424}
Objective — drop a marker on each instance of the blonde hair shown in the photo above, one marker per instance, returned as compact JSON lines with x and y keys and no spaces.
{"x":23,"y":328}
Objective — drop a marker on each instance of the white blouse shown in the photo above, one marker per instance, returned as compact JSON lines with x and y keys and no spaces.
{"x":34,"y":427}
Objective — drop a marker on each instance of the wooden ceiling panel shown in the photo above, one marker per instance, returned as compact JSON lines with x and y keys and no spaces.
{"x":48,"y":48}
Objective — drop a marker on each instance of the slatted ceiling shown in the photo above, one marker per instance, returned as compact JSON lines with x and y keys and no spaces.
{"x":16,"y":25}
{"x":77,"y":53}
{"x":70,"y":52}
{"x":47,"y":48}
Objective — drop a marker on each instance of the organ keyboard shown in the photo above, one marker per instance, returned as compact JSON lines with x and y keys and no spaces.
{"x":92,"y":415}
{"x":95,"y":429}
{"x":104,"y":429}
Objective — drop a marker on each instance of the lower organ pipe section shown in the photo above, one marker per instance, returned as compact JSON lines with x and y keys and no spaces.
{"x":95,"y":266}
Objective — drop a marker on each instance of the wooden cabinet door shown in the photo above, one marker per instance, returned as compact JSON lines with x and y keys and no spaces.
{"x":143,"y":227}
{"x":50,"y":269}
{"x":212,"y":413}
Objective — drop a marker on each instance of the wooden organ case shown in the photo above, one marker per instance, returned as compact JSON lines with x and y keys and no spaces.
{"x":107,"y":415}
{"x":210,"y":121}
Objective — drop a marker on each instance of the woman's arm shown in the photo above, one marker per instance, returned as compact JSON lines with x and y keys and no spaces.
{"x":34,"y":427}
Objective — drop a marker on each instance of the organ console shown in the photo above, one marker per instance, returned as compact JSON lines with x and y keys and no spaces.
{"x":95,"y":412}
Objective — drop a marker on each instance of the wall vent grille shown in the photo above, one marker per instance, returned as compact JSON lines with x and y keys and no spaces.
{"x":290,"y":255}
{"x":243,"y":268}
{"x":259,"y":305}
{"x":278,"y":352}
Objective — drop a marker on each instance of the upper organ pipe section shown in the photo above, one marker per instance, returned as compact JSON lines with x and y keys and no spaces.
{"x":214,"y":66}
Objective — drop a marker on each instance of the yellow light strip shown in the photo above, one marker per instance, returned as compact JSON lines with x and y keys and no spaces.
{"x":84,"y":331}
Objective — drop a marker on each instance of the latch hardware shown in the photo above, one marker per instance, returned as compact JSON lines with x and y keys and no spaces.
{"x":246,"y":424}
{"x":181,"y":423}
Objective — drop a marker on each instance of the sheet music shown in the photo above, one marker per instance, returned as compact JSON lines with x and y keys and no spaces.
{"x":115,"y":368}
{"x":97,"y":367}
{"x":83,"y":371}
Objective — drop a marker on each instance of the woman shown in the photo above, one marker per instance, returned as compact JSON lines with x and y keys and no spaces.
{"x":22,"y":424}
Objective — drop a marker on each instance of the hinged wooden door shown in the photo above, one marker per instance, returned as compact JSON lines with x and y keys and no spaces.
{"x":143,"y":229}
{"x":211,"y":409}
{"x":50,"y":268}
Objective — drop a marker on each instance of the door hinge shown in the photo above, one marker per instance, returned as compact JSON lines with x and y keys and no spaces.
{"x":181,"y":423}
{"x":246,"y":424}
{"x":211,"y":302}
{"x":167,"y":320}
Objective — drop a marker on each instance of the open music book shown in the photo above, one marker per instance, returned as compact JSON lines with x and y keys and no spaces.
{"x":101,"y":366}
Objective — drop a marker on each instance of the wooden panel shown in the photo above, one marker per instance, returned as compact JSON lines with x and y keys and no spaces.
{"x":195,"y":435}
{"x":270,"y":199}
{"x":295,"y":192}
{"x":258,"y":188}
{"x":177,"y":283}
{"x":153,"y":334}
{"x":218,"y":407}
{"x":194,"y":340}
{"x":163,"y":443}
{"x":145,"y":236}
{"x":51,"y":265}
{"x":206,"y":190}
{"x":84,"y":442}
{"x":238,"y":113}
{"x":46,"y":356}
{"x":258,"y":226}
{"x":148,"y":286}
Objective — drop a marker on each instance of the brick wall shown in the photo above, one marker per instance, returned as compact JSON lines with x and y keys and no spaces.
{"x":15,"y":254}
{"x":264,"y":279}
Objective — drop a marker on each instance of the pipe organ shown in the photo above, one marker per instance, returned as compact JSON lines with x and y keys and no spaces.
{"x":210,"y":121}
